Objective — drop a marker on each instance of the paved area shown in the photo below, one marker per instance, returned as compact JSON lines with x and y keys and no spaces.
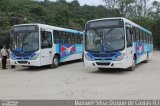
{"x":72,"y":81}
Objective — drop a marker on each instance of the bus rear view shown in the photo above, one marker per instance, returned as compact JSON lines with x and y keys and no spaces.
{"x":109,"y":44}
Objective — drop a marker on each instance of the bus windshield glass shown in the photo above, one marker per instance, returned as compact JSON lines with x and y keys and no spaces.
{"x":105,"y":39}
{"x":25,"y":38}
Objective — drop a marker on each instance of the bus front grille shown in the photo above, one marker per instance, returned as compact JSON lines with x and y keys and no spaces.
{"x":22,"y":54}
{"x":22,"y":62}
{"x":104,"y":59}
{"x":103,"y":55}
{"x":107,"y":64}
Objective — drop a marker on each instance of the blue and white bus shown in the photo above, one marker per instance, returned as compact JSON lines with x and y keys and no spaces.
{"x":40,"y":44}
{"x":116,"y":43}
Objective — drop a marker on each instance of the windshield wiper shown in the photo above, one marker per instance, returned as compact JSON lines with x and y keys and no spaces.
{"x":108,"y":31}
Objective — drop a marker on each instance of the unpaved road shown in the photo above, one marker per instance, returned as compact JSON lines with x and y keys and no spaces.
{"x":73,"y":81}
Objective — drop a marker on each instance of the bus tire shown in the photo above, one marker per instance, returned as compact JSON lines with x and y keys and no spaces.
{"x":82,"y":57}
{"x":133,"y":67}
{"x":147,"y":59}
{"x":55,"y":62}
{"x":13,"y":66}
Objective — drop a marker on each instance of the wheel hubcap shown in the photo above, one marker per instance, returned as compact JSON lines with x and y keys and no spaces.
{"x":134,"y":63}
{"x":56,"y":61}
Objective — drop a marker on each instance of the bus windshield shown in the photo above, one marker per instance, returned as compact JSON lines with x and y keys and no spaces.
{"x":25,"y":38}
{"x":107,"y":39}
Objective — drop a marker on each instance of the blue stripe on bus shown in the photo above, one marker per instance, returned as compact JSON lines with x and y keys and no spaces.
{"x":24,"y":56}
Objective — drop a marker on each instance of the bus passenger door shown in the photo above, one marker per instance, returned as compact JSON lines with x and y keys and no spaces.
{"x":46,"y":47}
{"x":129,"y":43}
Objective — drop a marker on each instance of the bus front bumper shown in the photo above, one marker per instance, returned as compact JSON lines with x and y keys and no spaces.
{"x":25,"y":62}
{"x":123,"y":64}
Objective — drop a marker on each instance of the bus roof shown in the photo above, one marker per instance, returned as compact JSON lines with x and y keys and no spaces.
{"x":125,"y":20}
{"x":52,"y":27}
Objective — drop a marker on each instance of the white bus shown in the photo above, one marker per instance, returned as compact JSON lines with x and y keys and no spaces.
{"x":39,"y":45}
{"x":116,"y":43}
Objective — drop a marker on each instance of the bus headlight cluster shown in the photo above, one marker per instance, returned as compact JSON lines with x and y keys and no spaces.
{"x":13,"y":57}
{"x":35,"y":56}
{"x":120,"y":57}
{"x":88,"y":57}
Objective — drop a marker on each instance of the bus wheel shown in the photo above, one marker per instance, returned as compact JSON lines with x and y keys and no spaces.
{"x":13,"y":66}
{"x":82,"y":57}
{"x":55,"y":62}
{"x":132,"y":68}
{"x":147,"y":59}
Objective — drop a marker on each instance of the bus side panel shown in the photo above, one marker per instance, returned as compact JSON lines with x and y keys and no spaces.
{"x":56,"y":48}
{"x":69,"y":52}
{"x":150,"y":49}
{"x":142,"y":50}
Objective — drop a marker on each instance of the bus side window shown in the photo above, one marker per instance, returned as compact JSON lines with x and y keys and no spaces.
{"x":134,"y":34}
{"x":56,"y":36}
{"x":69,"y":37}
{"x":140,"y":33}
{"x":149,"y":39}
{"x":145,"y":37}
{"x":81,"y":39}
{"x":142,"y":37}
{"x":137,"y":35}
{"x":129,"y":37}
{"x":78,"y":38}
{"x":72,"y":38}
{"x":66,"y":37}
{"x":62,"y":37}
{"x":46,"y":39}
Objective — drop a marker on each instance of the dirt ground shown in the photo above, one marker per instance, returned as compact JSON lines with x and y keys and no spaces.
{"x":73,"y":81}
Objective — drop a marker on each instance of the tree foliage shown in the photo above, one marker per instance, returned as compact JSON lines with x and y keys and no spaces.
{"x":73,"y":15}
{"x":141,"y":12}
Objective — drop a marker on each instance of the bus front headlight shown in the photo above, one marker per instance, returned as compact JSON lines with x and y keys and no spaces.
{"x":35,"y":56}
{"x":13,"y":57}
{"x":88,"y":57}
{"x":120,"y":57}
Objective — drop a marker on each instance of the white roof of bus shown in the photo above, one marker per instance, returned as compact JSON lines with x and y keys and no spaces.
{"x":50,"y":27}
{"x":126,"y":20}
